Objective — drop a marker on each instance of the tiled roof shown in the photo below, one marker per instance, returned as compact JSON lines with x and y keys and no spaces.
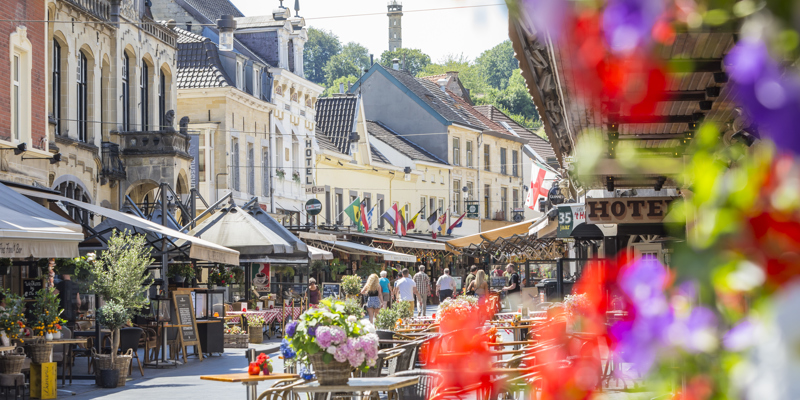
{"x":377,"y":156}
{"x":258,"y":21}
{"x":491,"y":125}
{"x":324,"y":142}
{"x":537,"y":143}
{"x":215,"y":9}
{"x":335,"y":117}
{"x":381,"y":132}
{"x":433,"y":96}
{"x":198,"y":62}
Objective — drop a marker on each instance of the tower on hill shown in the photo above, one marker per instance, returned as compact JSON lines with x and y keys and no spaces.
{"x":395,"y":14}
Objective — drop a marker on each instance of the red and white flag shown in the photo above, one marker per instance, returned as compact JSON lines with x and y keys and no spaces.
{"x":541,"y":181}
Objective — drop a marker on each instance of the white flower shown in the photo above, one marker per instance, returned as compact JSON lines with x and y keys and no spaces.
{"x":91,"y":257}
{"x":352,"y":319}
{"x":369,"y":327}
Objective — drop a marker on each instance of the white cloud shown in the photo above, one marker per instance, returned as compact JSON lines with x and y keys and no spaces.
{"x":437,"y":33}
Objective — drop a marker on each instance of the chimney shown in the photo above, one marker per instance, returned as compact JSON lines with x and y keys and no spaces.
{"x":442,"y":84}
{"x":341,"y":88}
{"x":371,"y":60}
{"x":452,"y":74}
{"x":396,"y":64}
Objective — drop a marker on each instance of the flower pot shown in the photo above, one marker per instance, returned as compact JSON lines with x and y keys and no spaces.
{"x":384,"y":334}
{"x":48,"y":336}
{"x":179,"y":279}
{"x":57,"y":335}
{"x":330,"y":373}
{"x":108,"y":378}
{"x":256,"y":334}
{"x":4,"y":338}
{"x":121,"y":363}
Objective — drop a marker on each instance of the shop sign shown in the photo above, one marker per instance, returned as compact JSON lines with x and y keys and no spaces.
{"x":473,"y":208}
{"x":556,"y":196}
{"x":627,"y":210}
{"x":569,"y":217}
{"x":313,"y":207}
{"x":315,"y":189}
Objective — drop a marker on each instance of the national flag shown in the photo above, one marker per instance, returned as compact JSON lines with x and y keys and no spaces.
{"x":433,"y":221}
{"x":391,"y":216}
{"x":456,"y":224}
{"x":537,"y":188}
{"x":364,"y":217}
{"x":369,"y":215}
{"x":354,"y":212}
{"x":412,"y":223}
{"x":442,"y":221}
{"x":401,"y":222}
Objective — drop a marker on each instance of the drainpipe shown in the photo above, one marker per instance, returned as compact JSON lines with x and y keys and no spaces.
{"x":480,"y":187}
{"x":272,"y":164}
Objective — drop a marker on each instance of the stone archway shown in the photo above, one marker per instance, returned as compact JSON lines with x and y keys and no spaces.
{"x":143,"y":193}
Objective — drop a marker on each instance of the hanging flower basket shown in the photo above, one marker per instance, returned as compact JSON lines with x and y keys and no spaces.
{"x":330,"y":373}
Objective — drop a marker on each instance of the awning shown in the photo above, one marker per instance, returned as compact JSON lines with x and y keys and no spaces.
{"x":357,"y":248}
{"x":28,"y":229}
{"x":234,"y":228}
{"x":407,"y":242}
{"x":319,"y":254}
{"x":504,"y":232}
{"x":199,"y":250}
{"x":544,"y":227}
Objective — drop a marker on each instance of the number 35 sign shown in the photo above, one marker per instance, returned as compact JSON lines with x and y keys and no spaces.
{"x":569,"y":217}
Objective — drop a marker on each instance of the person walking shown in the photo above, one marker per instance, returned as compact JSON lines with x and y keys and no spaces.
{"x":313,"y":293}
{"x":513,"y":290}
{"x":445,"y":285}
{"x":373,"y":291}
{"x":470,"y":277}
{"x":423,"y":283}
{"x":405,"y":290}
{"x":386,"y":293}
{"x":479,"y":286}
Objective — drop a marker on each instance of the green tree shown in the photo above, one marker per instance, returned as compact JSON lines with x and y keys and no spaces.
{"x":467,"y":72}
{"x":318,"y":50}
{"x":334,"y":88}
{"x":352,"y":61}
{"x":497,"y":64}
{"x":514,"y":100}
{"x":416,"y":60}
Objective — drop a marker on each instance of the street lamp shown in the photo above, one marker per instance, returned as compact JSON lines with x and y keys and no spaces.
{"x":353,"y":142}
{"x":407,"y":174}
{"x":226,"y":25}
{"x":21,"y":148}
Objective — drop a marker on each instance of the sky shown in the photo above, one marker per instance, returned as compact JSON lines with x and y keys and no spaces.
{"x":467,"y":31}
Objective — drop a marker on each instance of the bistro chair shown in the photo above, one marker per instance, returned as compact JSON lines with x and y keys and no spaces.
{"x":428,"y":382}
{"x":282,"y":390}
{"x":149,"y":342}
{"x":16,"y":381}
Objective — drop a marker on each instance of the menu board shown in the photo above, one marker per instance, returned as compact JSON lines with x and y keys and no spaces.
{"x":498,"y":281}
{"x":30,"y":287}
{"x":184,"y":316}
{"x":330,"y":290}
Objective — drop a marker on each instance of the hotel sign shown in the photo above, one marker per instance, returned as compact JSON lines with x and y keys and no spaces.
{"x":627,"y":210}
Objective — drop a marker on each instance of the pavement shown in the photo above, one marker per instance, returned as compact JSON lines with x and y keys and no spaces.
{"x":183,"y":381}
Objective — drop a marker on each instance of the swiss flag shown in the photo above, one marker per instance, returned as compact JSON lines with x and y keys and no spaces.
{"x":541,"y":181}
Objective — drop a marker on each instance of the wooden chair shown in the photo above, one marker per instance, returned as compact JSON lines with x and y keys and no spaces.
{"x":148,"y":342}
{"x":428,"y":382}
{"x":282,"y":390}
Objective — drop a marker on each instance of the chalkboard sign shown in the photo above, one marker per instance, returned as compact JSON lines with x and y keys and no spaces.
{"x":330,"y":290}
{"x":30,"y":287}
{"x":184,"y":315}
{"x":497,"y":281}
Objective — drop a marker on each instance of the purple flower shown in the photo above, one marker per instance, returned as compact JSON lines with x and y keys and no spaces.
{"x":770,"y":98}
{"x":286,"y":350}
{"x":312,"y":331}
{"x":740,"y":337}
{"x":291,"y":328}
{"x":628,"y":23}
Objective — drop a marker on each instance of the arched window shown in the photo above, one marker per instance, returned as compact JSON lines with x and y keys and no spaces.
{"x":56,"y":85}
{"x":144,"y":96}
{"x":83,"y":97}
{"x":162,"y":100}
{"x":126,"y":92}
{"x":75,"y":191}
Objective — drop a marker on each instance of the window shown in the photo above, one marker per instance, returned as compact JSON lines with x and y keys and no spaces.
{"x":457,"y":196}
{"x":278,"y":151}
{"x":57,"y":86}
{"x":251,"y":169}
{"x":514,"y":163}
{"x":486,"y":195}
{"x":239,"y":75}
{"x":144,"y":95}
{"x":201,"y":160}
{"x":235,"y":163}
{"x":470,"y":192}
{"x":456,"y":151}
{"x":441,"y":207}
{"x":126,"y":93}
{"x":339,"y":209}
{"x":265,"y":171}
{"x":83,"y":93}
{"x":515,"y":199}
{"x":162,"y":100}
{"x":486,"y":158}
{"x":381,"y":210}
{"x":432,"y":205}
{"x":504,"y":202}
{"x":469,"y":154}
{"x":422,"y":202}
{"x":16,"y":102}
{"x":503,"y":159}
{"x":290,"y":53}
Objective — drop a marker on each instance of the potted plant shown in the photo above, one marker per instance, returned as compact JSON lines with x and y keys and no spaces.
{"x":234,"y":337}
{"x":12,"y":317}
{"x":280,"y":173}
{"x":113,"y":316}
{"x":119,"y":276}
{"x":238,"y":274}
{"x":219,"y":276}
{"x":337,"y":267}
{"x":46,"y":313}
{"x":255,"y":328}
{"x":333,"y":342}
{"x":296,"y":176}
{"x":351,"y":285}
{"x":180,"y":272}
{"x":385,"y":322}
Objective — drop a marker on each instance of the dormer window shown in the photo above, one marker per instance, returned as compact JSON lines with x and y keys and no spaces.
{"x":256,"y":83}
{"x":239,"y":75}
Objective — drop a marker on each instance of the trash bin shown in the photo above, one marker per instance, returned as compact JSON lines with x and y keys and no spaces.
{"x":548,"y":288}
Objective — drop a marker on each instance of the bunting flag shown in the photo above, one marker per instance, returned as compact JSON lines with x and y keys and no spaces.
{"x":537,"y":188}
{"x":412,"y":223}
{"x":456,"y":224}
{"x":353,"y":211}
{"x":364,"y":217}
{"x":391,"y":216}
{"x":433,"y":221}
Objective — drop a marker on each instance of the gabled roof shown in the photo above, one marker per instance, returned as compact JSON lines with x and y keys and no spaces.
{"x":377,"y":156}
{"x":381,"y":132}
{"x":537,"y":143}
{"x":335,"y":118}
{"x":491,"y":125}
{"x":214,"y":9}
{"x":198,"y":62}
{"x":325,"y":143}
{"x":452,"y":79}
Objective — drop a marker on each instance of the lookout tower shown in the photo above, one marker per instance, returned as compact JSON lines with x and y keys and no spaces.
{"x":395,"y":13}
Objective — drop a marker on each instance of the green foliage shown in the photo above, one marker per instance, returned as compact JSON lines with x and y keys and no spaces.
{"x":238,"y":274}
{"x":184,"y":270}
{"x":113,"y":315}
{"x":12,"y":317}
{"x":515,"y":100}
{"x":497,"y":64}
{"x":353,"y":307}
{"x":351,"y":61}
{"x":402,"y":310}
{"x":337,"y":267}
{"x":369,"y":267}
{"x":467,"y":72}
{"x":45,"y":311}
{"x":120,"y":274}
{"x":220,"y":275}
{"x":255,"y":320}
{"x":334,"y":86}
{"x":415,"y":59}
{"x":351,"y":285}
{"x":386,"y":318}
{"x":318,"y":50}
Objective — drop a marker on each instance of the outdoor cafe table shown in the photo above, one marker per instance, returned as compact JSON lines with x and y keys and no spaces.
{"x":269,"y":315}
{"x":251,"y":381}
{"x":361,"y":385}
{"x":68,"y":355}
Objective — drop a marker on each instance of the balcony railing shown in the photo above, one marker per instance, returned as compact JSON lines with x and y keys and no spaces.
{"x":149,"y":143}
{"x":159,"y":31}
{"x":100,"y":9}
{"x":112,"y":164}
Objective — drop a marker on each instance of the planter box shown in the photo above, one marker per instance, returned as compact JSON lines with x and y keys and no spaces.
{"x":236,"y":341}
{"x":256,"y":334}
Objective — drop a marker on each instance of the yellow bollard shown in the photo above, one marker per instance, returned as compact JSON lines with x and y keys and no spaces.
{"x":43,"y":380}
